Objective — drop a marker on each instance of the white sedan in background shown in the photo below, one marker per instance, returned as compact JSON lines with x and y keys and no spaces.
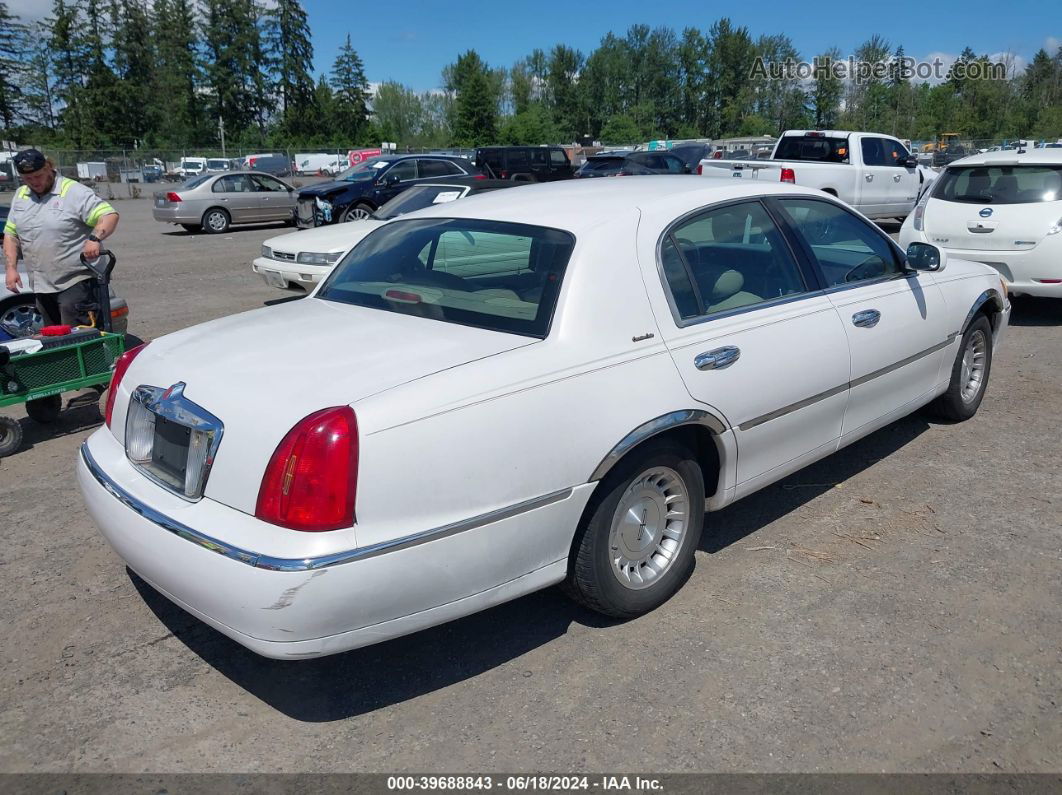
{"x":1000,"y":208}
{"x":304,"y":258}
{"x":489,"y":397}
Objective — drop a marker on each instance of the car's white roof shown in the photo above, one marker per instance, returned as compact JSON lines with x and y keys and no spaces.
{"x":581,"y":204}
{"x":1051,"y":157}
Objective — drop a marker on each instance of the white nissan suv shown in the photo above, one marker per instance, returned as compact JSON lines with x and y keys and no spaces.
{"x":1000,"y":208}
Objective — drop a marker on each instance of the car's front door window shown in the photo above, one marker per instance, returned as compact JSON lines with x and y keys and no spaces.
{"x":848,"y":249}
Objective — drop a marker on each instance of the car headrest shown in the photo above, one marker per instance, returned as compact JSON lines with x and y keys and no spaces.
{"x":729,"y":283}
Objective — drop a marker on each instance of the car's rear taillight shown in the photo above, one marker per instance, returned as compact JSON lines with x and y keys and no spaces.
{"x":120,"y":367}
{"x":700,"y":169}
{"x":479,"y":176}
{"x":919,"y":220}
{"x":788,"y":175}
{"x":172,"y":197}
{"x":312,"y":479}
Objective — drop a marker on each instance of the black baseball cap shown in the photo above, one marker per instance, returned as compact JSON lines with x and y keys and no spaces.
{"x":29,"y":160}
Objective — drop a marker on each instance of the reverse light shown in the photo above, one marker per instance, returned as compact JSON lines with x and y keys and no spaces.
{"x":120,"y":367}
{"x":788,"y":175}
{"x":172,"y":197}
{"x":311,"y":481}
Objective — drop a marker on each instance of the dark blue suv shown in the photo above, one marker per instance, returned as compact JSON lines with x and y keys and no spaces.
{"x":357,"y":192}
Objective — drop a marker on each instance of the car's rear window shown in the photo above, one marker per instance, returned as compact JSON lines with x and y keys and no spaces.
{"x":813,"y":147}
{"x":1024,"y":184}
{"x":490,"y":274}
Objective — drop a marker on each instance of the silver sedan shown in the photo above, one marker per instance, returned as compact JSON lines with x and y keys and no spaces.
{"x":214,"y":202}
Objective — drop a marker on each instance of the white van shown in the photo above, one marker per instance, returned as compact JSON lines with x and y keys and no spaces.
{"x":192,"y":167}
{"x":314,"y":163}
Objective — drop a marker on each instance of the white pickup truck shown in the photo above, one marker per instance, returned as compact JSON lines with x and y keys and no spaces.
{"x":875,"y":174}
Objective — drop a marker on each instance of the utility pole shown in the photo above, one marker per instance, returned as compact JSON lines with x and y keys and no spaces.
{"x":221,"y":129}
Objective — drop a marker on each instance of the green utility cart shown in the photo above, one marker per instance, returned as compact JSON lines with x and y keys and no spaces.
{"x":39,"y":379}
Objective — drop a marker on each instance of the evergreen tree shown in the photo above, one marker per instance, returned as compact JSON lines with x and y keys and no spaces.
{"x":236,"y":82}
{"x":562,"y":75}
{"x":38,"y":82}
{"x":290,"y":57}
{"x":351,"y":94}
{"x":475,"y":100}
{"x":176,"y":105}
{"x":12,"y":46}
{"x":731,"y":57}
{"x":827,"y":90}
{"x":134,"y":66}
{"x":692,"y":64}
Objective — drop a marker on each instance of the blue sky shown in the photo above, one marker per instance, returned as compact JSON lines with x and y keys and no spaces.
{"x":412,"y":41}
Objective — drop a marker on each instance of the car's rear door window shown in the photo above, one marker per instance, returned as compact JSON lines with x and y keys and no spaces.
{"x":489,"y":274}
{"x":728,"y":258}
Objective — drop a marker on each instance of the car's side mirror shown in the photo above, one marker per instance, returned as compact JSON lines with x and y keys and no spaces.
{"x":910,"y":161}
{"x":924,"y":257}
{"x":391,"y":179}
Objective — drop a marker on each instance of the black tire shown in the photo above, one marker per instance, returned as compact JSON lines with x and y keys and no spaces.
{"x":44,"y":410}
{"x":356,"y":212}
{"x":216,"y":221}
{"x":19,"y":315}
{"x":191,"y":227}
{"x":10,"y":436}
{"x":961,"y":400}
{"x":594,"y":578}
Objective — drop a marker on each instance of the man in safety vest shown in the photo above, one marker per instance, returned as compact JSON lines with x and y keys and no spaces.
{"x":55,"y":220}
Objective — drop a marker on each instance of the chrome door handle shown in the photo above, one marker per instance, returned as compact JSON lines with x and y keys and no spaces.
{"x":868,"y":177}
{"x":717,"y":359}
{"x":868,"y":318}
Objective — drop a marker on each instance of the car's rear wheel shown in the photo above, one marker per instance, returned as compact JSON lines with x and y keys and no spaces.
{"x":357,"y":212}
{"x":216,"y":221}
{"x":969,"y":373}
{"x":634,"y":548}
{"x":19,"y":316}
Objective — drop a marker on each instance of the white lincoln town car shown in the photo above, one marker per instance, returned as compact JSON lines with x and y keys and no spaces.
{"x":538,"y":386}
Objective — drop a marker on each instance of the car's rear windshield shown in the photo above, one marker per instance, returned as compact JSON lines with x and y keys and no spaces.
{"x":216,"y":164}
{"x":489,"y":274}
{"x":1024,"y":184}
{"x":603,"y":164}
{"x":812,"y":147}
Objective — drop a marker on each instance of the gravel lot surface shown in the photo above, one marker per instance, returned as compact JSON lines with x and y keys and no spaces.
{"x":896,"y":607}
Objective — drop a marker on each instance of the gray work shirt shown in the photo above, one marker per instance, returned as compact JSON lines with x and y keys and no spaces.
{"x":52,"y":230}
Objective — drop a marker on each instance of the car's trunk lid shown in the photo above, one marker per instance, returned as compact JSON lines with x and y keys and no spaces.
{"x":262,"y":371}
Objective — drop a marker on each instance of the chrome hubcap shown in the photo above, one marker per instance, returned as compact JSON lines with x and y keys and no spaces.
{"x":21,"y":321}
{"x":216,"y":221}
{"x":972,"y":375}
{"x":648,"y":527}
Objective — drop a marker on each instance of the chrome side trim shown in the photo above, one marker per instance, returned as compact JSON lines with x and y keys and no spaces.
{"x":652,"y":428}
{"x":800,"y":404}
{"x":902,"y":363}
{"x":257,"y":560}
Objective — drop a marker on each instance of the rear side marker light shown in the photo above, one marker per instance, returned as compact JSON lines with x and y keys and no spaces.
{"x":1049,"y":281}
